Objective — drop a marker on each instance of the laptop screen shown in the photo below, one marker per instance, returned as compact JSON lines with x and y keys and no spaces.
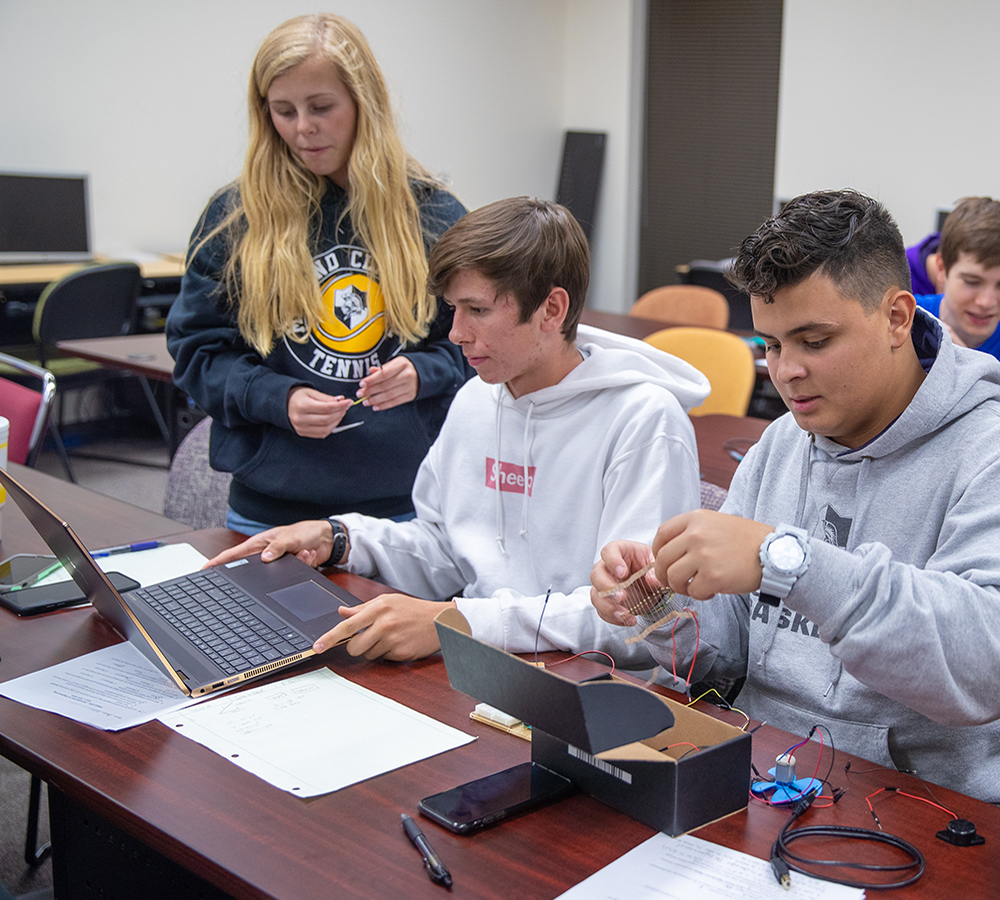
{"x":43,"y":218}
{"x":78,"y":562}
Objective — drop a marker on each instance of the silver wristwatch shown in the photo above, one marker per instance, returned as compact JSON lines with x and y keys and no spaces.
{"x":784,"y":556}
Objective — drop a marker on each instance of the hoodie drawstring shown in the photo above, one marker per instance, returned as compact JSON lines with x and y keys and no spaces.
{"x":527,"y":487}
{"x":496,"y":475}
{"x":525,"y":468}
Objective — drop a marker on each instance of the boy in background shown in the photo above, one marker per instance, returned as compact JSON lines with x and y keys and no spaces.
{"x":968,"y":264}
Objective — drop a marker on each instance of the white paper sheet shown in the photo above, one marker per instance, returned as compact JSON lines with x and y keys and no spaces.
{"x":112,"y":689}
{"x":688,"y":868}
{"x":315,"y":733}
{"x":145,"y":566}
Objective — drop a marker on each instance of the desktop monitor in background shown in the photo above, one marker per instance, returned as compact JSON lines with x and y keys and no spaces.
{"x":580,"y":176}
{"x":43,"y":218}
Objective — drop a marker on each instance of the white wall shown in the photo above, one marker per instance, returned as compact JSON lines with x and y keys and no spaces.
{"x":603,"y":84}
{"x":896,"y":98}
{"x":149,"y":98}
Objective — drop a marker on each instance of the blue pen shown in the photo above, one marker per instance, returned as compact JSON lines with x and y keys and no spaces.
{"x":127,"y":548}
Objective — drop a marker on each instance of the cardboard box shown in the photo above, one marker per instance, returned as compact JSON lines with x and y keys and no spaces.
{"x":611,"y":738}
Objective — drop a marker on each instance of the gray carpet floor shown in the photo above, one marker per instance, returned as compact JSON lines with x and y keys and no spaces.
{"x":135,"y":471}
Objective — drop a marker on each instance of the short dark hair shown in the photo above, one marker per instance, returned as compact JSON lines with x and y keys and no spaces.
{"x":850,"y":238}
{"x":525,"y":247}
{"x":972,"y":227}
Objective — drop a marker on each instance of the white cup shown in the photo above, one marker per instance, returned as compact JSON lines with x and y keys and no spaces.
{"x":4,"y":433}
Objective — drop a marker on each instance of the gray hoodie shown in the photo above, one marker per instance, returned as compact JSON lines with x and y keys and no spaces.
{"x":892,"y":636}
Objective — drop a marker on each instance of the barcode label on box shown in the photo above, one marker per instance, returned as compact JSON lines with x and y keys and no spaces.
{"x":601,"y":764}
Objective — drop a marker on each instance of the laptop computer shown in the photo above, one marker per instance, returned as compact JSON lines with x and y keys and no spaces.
{"x":211,"y":629}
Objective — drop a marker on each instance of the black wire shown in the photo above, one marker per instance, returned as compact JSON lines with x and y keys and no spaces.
{"x":538,"y":630}
{"x":833,"y":752}
{"x":780,"y":851}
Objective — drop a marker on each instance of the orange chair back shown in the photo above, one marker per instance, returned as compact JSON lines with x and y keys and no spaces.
{"x":684,"y":304}
{"x":723,"y":357}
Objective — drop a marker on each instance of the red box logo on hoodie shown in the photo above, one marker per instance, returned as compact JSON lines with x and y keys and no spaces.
{"x":511,"y":476}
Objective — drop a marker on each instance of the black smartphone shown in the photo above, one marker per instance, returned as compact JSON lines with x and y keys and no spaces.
{"x":476,"y":804}
{"x":21,"y":567}
{"x":31,"y":601}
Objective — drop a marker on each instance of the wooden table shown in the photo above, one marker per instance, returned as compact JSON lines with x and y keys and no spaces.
{"x":99,"y":521}
{"x":41,"y":274}
{"x":619,"y":323}
{"x":254,"y":841}
{"x":141,"y":354}
{"x":721,"y":439}
{"x":639,"y":328}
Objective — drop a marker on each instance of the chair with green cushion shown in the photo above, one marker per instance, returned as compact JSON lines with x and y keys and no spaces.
{"x":93,"y":302}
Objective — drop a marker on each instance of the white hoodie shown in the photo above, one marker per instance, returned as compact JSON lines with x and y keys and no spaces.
{"x":607,"y":453}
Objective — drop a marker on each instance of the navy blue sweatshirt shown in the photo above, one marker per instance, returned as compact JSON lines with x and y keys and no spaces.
{"x":279,"y":477}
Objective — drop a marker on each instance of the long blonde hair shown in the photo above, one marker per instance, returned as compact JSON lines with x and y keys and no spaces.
{"x":270,"y":267}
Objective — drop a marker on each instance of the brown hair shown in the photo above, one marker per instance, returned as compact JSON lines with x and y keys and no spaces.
{"x":973,"y":227}
{"x":525,"y":247}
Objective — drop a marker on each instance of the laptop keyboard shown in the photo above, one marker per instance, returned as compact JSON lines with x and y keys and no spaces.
{"x":214,"y":614}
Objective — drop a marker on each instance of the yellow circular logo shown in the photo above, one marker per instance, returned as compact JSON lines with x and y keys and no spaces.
{"x":355,"y":317}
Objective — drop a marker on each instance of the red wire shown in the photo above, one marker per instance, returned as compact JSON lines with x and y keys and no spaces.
{"x":582,"y":653}
{"x":868,"y":800}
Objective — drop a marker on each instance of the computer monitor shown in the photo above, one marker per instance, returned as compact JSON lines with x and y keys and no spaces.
{"x":43,"y":218}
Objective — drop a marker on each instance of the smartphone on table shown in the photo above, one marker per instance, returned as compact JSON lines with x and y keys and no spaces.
{"x":476,"y":804}
{"x":30,"y":601}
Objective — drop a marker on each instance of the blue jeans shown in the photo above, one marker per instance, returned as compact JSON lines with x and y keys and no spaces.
{"x":249,"y":527}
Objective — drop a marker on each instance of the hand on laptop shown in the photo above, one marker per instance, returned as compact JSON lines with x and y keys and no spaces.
{"x":311,"y":541}
{"x":396,"y":626}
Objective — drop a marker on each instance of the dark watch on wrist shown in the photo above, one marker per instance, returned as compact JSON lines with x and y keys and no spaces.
{"x":784,"y":556}
{"x":340,"y":543}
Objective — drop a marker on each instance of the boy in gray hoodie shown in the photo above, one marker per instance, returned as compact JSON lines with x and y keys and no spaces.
{"x":852,"y":575}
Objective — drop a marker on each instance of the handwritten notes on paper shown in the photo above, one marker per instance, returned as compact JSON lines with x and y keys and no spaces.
{"x":688,"y":868}
{"x":113,"y":688}
{"x":314,"y":733}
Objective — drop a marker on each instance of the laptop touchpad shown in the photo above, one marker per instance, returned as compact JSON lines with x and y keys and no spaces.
{"x":306,"y":601}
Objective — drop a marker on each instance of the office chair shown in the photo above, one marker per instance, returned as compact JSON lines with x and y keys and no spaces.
{"x":684,"y":304}
{"x":26,"y":409}
{"x":196,"y":494}
{"x":97,"y":301}
{"x":723,"y":357}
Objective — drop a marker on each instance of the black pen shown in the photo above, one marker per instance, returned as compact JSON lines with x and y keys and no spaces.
{"x":432,"y":862}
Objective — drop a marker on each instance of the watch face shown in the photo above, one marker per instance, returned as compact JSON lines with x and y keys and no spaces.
{"x":785,"y":553}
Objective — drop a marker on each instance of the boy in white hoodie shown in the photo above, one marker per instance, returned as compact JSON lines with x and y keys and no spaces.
{"x":560,"y":444}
